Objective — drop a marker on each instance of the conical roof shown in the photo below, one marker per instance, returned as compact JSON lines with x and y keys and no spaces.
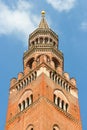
{"x":43,"y":24}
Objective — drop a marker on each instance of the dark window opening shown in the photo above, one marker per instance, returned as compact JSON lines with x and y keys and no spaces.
{"x":30,"y":62}
{"x":37,"y":41}
{"x":66,"y":106}
{"x":46,"y":40}
{"x":56,"y":63}
{"x":41,"y":40}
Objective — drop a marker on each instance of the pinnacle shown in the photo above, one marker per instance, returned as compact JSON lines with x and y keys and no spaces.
{"x":43,"y":24}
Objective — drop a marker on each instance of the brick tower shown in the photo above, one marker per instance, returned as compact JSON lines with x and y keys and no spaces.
{"x":43,"y":97}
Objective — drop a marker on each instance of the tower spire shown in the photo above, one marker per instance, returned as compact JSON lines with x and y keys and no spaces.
{"x":43,"y":24}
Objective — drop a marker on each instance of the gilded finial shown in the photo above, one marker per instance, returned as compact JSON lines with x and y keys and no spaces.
{"x":43,"y":13}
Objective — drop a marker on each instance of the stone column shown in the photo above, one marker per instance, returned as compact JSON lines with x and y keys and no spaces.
{"x":30,"y":100}
{"x":60,"y":104}
{"x":21,"y":106}
{"x":39,"y":40}
{"x":48,"y":40}
{"x":26,"y":103}
{"x":54,"y":77}
{"x":55,"y":100}
{"x":64,"y":107}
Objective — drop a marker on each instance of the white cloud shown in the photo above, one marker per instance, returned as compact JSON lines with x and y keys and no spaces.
{"x":17,"y":18}
{"x":84,"y":26}
{"x":62,"y":5}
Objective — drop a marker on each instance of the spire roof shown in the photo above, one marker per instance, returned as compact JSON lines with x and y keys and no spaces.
{"x":43,"y":24}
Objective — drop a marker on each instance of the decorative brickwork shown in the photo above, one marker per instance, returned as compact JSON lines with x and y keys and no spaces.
{"x":43,"y":96}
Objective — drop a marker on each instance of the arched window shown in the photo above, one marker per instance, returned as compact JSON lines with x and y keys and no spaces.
{"x":22,"y":84}
{"x":30,"y":127}
{"x":46,"y":40}
{"x":31,"y":98}
{"x":19,"y":106}
{"x":54,"y":44}
{"x":30,"y":62}
{"x":32,"y":43}
{"x":58,"y":101}
{"x":50,"y":40}
{"x":37,"y":41}
{"x":54,"y":98}
{"x":66,"y":106}
{"x":23,"y":103}
{"x":56,"y":127}
{"x":53,"y":76}
{"x":41,"y":40}
{"x":16,"y":87}
{"x":32,"y":76}
{"x":56,"y":62}
{"x":27,"y":101}
{"x":62,"y":104}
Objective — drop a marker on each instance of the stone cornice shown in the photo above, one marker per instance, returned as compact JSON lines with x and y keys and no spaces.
{"x":39,"y":31}
{"x":42,"y":48}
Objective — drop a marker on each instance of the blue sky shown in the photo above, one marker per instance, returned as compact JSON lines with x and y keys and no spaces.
{"x":18,"y":18}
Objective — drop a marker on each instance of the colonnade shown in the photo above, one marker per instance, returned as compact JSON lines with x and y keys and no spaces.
{"x":42,"y":40}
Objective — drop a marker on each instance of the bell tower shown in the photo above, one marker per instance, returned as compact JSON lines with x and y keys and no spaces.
{"x":43,"y":96}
